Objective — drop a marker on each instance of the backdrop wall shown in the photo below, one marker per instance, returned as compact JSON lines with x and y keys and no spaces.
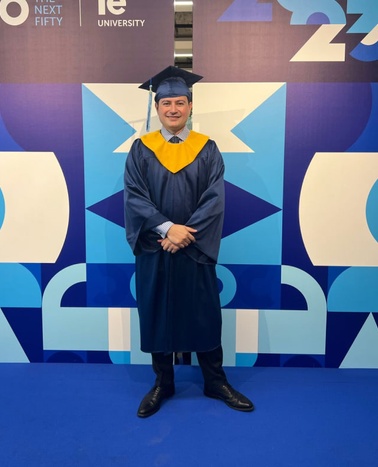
{"x":290,"y":96}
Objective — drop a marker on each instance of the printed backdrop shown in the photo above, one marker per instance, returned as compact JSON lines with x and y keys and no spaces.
{"x":291,"y":97}
{"x":290,"y":94}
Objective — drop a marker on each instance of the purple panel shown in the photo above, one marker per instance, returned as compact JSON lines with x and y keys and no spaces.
{"x":88,"y":41}
{"x":251,"y":49}
{"x":49,"y":118}
{"x":320,"y":117}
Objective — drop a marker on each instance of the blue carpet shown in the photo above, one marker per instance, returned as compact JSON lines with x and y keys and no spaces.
{"x":85,"y":415}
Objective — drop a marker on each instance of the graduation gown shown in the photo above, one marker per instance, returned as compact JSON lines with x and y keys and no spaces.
{"x":177,"y":294}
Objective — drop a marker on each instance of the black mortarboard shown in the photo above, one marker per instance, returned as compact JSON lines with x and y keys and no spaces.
{"x":170,"y":82}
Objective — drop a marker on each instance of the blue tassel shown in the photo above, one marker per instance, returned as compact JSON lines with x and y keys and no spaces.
{"x":149,"y":109}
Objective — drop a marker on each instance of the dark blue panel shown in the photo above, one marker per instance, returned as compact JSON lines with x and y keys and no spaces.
{"x":266,"y":360}
{"x":302,"y":361}
{"x":257,"y":286}
{"x":292,"y":299}
{"x":342,"y":330}
{"x":26,"y":324}
{"x":108,"y":285}
{"x":65,"y":356}
{"x":98,"y":357}
{"x":375,"y":316}
{"x":75,"y":296}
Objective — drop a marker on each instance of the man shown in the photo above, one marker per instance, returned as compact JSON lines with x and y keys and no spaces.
{"x":174,"y":205}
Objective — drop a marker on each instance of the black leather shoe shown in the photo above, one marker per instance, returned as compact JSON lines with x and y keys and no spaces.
{"x":230,"y":396}
{"x":153,"y":399}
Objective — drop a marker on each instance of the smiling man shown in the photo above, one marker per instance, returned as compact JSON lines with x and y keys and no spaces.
{"x":174,"y":208}
{"x":174,"y":113}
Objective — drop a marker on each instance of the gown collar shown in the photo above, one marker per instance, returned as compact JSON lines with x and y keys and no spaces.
{"x":175,"y":157}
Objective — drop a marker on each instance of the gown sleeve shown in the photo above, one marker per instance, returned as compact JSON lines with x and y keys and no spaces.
{"x":141,"y":214}
{"x":209,"y":214}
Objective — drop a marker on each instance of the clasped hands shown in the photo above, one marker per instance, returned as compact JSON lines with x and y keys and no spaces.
{"x":178,"y":236}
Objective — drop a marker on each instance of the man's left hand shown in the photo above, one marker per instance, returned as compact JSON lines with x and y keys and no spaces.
{"x":167,"y":245}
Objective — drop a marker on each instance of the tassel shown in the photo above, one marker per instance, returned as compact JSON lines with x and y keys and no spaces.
{"x":189,"y":123}
{"x":149,"y":108}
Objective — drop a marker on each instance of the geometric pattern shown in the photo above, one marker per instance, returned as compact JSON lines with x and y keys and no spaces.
{"x":329,"y":195}
{"x":329,"y":210}
{"x":364,"y":351}
{"x":320,"y":48}
{"x":21,"y":238}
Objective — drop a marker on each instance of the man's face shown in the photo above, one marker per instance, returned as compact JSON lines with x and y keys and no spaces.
{"x":173,"y":112}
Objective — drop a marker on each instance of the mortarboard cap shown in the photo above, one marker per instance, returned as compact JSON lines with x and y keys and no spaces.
{"x":170,"y":82}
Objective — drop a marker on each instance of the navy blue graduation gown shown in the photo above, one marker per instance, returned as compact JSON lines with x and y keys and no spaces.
{"x":177,"y":294}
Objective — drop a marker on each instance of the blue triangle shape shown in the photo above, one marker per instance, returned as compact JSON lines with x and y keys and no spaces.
{"x":250,"y":209}
{"x":104,"y":131}
{"x":263,"y":130}
{"x":110,"y":208}
{"x":248,"y":10}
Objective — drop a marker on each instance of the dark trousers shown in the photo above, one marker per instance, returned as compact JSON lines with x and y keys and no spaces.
{"x":211,"y":364}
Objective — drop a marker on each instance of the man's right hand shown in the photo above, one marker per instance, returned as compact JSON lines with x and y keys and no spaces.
{"x":181,"y":235}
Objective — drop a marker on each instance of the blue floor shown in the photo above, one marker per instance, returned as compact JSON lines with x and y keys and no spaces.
{"x":85,"y":415}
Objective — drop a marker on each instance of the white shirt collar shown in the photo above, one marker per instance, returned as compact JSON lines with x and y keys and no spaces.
{"x":184,"y":133}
